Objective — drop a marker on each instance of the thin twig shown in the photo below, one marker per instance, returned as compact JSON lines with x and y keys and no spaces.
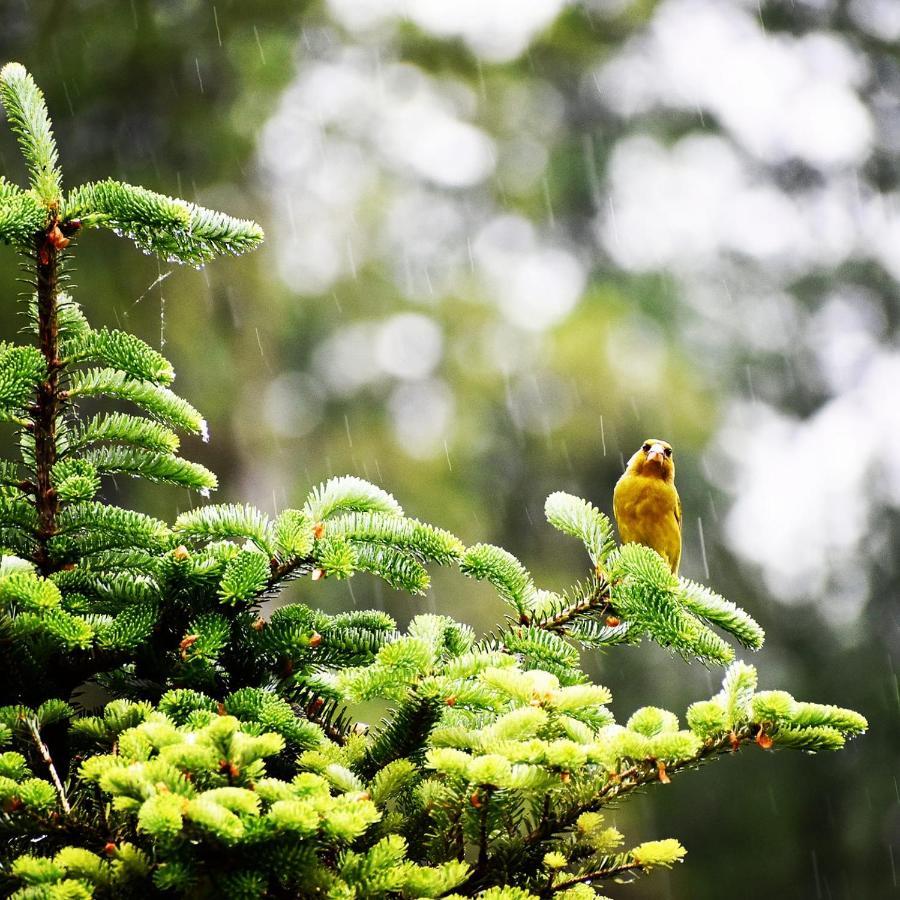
{"x":44,"y":750}
{"x":590,"y":876}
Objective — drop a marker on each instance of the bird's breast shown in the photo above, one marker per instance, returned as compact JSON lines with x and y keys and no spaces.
{"x":645,"y":513}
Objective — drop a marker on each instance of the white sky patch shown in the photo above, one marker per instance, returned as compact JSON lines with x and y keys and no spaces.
{"x":779,"y":96}
{"x":687,"y":207}
{"x":421,"y":416}
{"x":409,"y":345}
{"x":497,"y":30}
{"x":535,"y":285}
{"x":417,"y":133}
{"x":803,"y":489}
{"x":880,"y":18}
{"x":348,"y":136}
{"x":292,"y":404}
{"x":882,"y":230}
{"x":540,"y":402}
{"x":345,"y":361}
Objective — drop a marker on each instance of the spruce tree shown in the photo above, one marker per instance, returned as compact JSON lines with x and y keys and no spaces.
{"x":226,"y":760}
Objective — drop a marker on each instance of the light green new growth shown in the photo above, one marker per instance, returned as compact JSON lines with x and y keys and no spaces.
{"x":26,"y":113}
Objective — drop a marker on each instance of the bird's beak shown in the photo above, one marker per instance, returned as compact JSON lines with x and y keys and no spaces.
{"x":657,"y":451}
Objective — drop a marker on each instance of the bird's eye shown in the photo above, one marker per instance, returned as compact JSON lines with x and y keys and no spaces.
{"x":668,"y":451}
{"x":646,"y":448}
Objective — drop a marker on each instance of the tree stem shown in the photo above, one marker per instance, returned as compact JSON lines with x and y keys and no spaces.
{"x":47,"y":401}
{"x":48,"y":762}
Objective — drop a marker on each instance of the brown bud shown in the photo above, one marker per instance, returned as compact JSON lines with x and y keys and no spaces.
{"x":181,"y":553}
{"x":229,"y":768}
{"x":187,"y":642}
{"x":612,"y":621}
{"x":110,"y":849}
{"x":319,"y":530}
{"x":220,"y":708}
{"x":315,"y":639}
{"x":764,"y":740}
{"x":565,"y":777}
{"x":663,"y":775}
{"x":475,"y":800}
{"x":451,"y":700}
{"x":317,"y":574}
{"x":57,"y":239}
{"x":258,"y":623}
{"x":734,"y":740}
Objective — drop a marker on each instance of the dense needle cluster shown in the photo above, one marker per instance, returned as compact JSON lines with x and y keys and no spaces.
{"x":226,"y":760}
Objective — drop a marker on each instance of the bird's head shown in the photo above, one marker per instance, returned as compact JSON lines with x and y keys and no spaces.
{"x":653,"y":459}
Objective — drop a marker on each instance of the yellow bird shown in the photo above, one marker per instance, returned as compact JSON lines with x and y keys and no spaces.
{"x":646,"y":504}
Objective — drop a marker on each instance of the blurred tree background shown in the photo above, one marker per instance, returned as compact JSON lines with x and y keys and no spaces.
{"x":507,"y":241}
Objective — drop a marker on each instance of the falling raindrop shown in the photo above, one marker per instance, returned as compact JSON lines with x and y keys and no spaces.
{"x":703,"y":547}
{"x":602,"y":436}
{"x":750,"y":383}
{"x":262,"y":55}
{"x":815,"y":863}
{"x":548,"y":202}
{"x":447,"y":454}
{"x":347,"y":426}
{"x":351,"y":259}
{"x":199,"y":76}
{"x":590,"y":164}
{"x":613,"y":222}
{"x":68,"y":99}
{"x":481,"y":83}
{"x":216,"y":20}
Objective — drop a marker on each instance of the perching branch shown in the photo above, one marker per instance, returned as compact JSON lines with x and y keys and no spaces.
{"x":599,"y":598}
